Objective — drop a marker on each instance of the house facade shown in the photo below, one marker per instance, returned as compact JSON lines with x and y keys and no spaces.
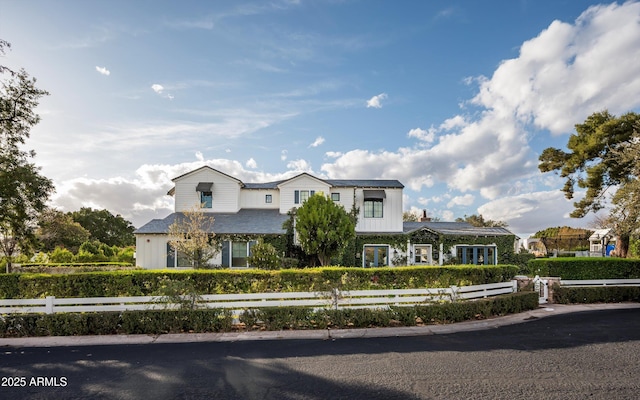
{"x":244,"y":212}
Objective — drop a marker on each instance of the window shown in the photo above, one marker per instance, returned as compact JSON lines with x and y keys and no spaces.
{"x":376,"y":256}
{"x":300,"y":196}
{"x":335,"y":196}
{"x":477,"y":255}
{"x":206,"y":199}
{"x":268,"y":198}
{"x":422,"y":254}
{"x":180,"y":261}
{"x":239,"y":254}
{"x":373,"y":208}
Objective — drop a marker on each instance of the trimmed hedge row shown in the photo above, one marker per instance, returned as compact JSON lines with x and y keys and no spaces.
{"x":142,"y":283}
{"x":603,"y":294}
{"x":585,"y":268}
{"x":215,"y":320}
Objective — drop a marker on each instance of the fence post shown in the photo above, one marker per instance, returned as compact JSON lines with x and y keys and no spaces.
{"x":48,"y":306}
{"x":514,"y":286}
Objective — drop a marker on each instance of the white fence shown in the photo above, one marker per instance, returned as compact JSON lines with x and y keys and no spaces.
{"x":333,"y":299}
{"x":600,"y":282}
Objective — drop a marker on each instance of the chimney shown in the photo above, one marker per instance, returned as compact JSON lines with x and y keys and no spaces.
{"x":424,"y":217}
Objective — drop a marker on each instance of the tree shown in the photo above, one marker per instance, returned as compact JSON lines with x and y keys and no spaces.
{"x":23,"y":190}
{"x":191,"y":234}
{"x":105,"y":227}
{"x":57,"y":229}
{"x":478,"y":220}
{"x":264,"y":256}
{"x":323,"y":227}
{"x":410,"y":216}
{"x":603,"y":156}
{"x":564,"y":238}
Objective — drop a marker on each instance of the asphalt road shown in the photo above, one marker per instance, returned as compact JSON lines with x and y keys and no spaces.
{"x":594,"y":355}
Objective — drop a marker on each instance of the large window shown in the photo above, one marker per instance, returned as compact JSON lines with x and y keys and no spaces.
{"x":300,"y":196}
{"x":477,"y":255}
{"x":373,"y":208}
{"x":177,"y":260}
{"x":376,"y":256}
{"x":236,"y":254}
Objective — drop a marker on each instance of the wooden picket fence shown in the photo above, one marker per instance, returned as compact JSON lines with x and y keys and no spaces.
{"x":332,"y":299}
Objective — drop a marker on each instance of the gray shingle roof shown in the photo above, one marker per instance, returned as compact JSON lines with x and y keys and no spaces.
{"x":455,"y":228}
{"x":361,"y":183}
{"x":246,"y":221}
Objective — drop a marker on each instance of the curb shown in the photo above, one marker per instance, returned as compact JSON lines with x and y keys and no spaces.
{"x":329,"y":334}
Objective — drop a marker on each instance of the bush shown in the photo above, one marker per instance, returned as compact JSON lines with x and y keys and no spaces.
{"x":61,"y":255}
{"x":264,"y":256}
{"x":602,"y":294}
{"x":585,"y":268}
{"x":145,"y":282}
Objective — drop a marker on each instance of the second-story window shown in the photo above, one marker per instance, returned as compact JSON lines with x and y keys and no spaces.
{"x":373,"y":208}
{"x":335,"y":196}
{"x":206,"y":199}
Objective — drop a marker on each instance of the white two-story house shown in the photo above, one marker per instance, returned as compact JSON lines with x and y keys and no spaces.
{"x":253,"y":209}
{"x":244,"y":211}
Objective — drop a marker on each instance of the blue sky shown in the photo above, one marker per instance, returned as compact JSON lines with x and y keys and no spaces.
{"x":456,"y":99}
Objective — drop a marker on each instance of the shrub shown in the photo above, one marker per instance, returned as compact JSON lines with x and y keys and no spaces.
{"x":602,"y":294}
{"x":585,"y":268}
{"x":145,"y":282}
{"x":61,"y":255}
{"x":264,"y":256}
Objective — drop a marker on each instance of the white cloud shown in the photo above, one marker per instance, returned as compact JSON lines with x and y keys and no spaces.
{"x":283,"y":155}
{"x":426,"y":136}
{"x":528,"y":212}
{"x":300,"y":166}
{"x":465,"y":200}
{"x":561,"y":76}
{"x":569,"y":71}
{"x":448,"y":215}
{"x":251,"y":163}
{"x":319,"y":140}
{"x":157,"y":88}
{"x":103,"y":70}
{"x":374,"y":102}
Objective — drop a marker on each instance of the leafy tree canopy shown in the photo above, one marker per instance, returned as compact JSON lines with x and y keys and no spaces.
{"x":112,"y":230}
{"x":478,"y":220}
{"x":595,"y":159}
{"x":57,"y":229}
{"x":603,"y":156}
{"x":323,"y":227}
{"x":23,"y":190}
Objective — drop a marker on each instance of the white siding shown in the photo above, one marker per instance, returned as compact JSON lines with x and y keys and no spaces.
{"x":255,"y":198}
{"x":151,"y":251}
{"x":303,"y":182}
{"x":391,"y":220}
{"x":226,"y":191}
{"x":346,"y":197}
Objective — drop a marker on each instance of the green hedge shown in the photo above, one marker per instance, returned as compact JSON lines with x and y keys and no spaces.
{"x":603,"y":294}
{"x":215,"y":320}
{"x":141,"y":283}
{"x":305,"y":318}
{"x":585,"y":268}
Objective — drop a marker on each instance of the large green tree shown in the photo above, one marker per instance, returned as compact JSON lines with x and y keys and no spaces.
{"x":57,"y":229}
{"x":23,"y":190}
{"x":602,"y":158}
{"x":323,"y":227}
{"x":105,"y":227}
{"x":478,"y":220}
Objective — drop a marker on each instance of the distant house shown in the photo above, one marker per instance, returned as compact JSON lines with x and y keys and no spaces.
{"x":244,"y":212}
{"x":601,"y":243}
